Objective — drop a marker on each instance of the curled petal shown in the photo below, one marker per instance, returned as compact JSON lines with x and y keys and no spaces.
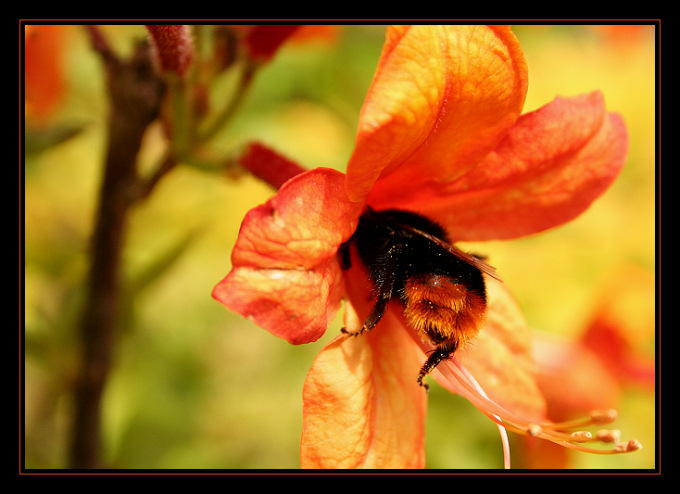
{"x":362,"y":405}
{"x":549,"y":168}
{"x":285,"y":275}
{"x":442,"y":97}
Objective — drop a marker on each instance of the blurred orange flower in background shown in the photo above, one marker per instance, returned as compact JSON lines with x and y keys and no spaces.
{"x":43,"y":76}
{"x":609,"y":356}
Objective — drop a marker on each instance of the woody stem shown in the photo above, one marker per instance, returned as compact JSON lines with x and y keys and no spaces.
{"x":135,"y":91}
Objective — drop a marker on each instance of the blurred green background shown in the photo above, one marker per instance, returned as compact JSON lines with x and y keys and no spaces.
{"x":195,"y":386}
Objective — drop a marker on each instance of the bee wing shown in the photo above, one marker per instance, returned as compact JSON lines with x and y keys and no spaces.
{"x":475,"y":261}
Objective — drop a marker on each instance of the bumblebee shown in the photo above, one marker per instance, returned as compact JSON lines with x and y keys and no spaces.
{"x":409,"y":259}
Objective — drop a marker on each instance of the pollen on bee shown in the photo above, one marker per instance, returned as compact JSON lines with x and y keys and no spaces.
{"x":441,"y":309}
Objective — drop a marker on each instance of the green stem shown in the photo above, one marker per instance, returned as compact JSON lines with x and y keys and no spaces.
{"x":246,"y":77}
{"x":181,"y":117}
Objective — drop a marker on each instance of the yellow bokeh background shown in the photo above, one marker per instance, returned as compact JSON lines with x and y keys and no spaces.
{"x":195,"y":386}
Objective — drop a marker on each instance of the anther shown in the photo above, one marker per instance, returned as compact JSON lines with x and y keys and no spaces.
{"x":534,"y":430}
{"x":608,"y":436}
{"x":603,"y":416}
{"x":581,"y":436}
{"x":632,"y":445}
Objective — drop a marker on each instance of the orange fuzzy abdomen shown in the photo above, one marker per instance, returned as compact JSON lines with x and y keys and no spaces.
{"x":441,"y":310}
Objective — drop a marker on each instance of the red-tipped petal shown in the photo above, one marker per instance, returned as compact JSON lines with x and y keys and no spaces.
{"x":550,"y":167}
{"x":285,"y":275}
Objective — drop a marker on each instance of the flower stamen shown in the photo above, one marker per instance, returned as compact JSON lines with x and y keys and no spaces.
{"x":501,"y":427}
{"x":596,"y":417}
{"x":556,"y":432}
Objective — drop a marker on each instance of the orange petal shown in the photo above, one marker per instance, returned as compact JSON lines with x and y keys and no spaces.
{"x":622,"y":327}
{"x":362,"y":405}
{"x":568,"y":365}
{"x":550,"y":167}
{"x":285,"y":274}
{"x":442,"y":97}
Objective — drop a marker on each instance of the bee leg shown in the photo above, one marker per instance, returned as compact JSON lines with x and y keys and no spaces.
{"x":384,"y":290}
{"x":384,"y":296}
{"x":440,"y":353}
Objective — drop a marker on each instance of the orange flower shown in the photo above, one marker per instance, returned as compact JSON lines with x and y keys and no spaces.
{"x":440,"y":133}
